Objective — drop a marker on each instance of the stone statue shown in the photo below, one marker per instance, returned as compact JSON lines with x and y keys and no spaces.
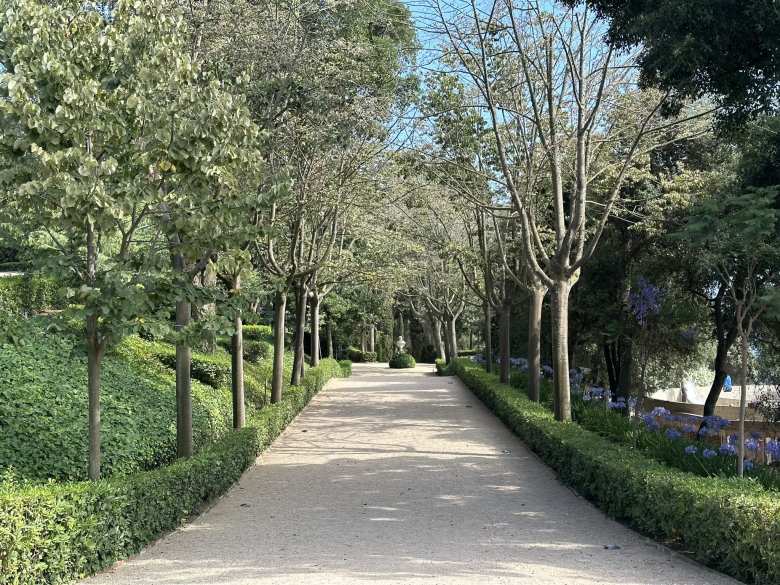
{"x":400,"y":343}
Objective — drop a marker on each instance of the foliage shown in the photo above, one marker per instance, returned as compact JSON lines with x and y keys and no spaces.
{"x":53,"y":533}
{"x":699,"y":47}
{"x":443,"y":368}
{"x":728,"y":524}
{"x":29,"y":294}
{"x":43,"y":408}
{"x":358,"y":356}
{"x":346,"y":368}
{"x":402,"y":360}
{"x":680,"y":448}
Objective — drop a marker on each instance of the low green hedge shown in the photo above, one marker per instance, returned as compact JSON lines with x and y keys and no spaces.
{"x":358,"y":356}
{"x":346,"y":368}
{"x":729,"y":524}
{"x":29,"y":294}
{"x":402,"y":360}
{"x":443,"y":368}
{"x":57,"y":532}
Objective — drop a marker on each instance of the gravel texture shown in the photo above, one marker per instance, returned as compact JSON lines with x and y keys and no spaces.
{"x":403,"y":477}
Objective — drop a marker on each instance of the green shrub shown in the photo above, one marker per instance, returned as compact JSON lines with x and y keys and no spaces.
{"x":519,"y":380}
{"x":258,"y":333}
{"x":346,"y":368}
{"x":53,"y":533}
{"x":443,"y":368}
{"x":29,"y":294}
{"x":729,"y":524}
{"x":402,"y":360}
{"x":254,"y":351}
{"x":358,"y":356}
{"x":43,"y":406}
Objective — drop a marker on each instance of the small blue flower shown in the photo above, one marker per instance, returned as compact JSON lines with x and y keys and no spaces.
{"x":728,"y":450}
{"x":691,"y":450}
{"x":672,"y":433}
{"x":690,"y":429}
{"x":748,"y":464}
{"x":708,"y":454}
{"x":660,"y":411}
{"x":616,"y":405}
{"x":751,"y":445}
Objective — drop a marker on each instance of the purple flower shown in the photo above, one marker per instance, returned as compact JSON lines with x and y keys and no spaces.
{"x":751,"y":445}
{"x":728,"y":450}
{"x":691,"y":450}
{"x":616,"y":405}
{"x":672,"y":433}
{"x":773,"y":448}
{"x":708,"y":453}
{"x":645,"y":300}
{"x":660,"y":411}
{"x":748,"y":463}
{"x":690,"y":429}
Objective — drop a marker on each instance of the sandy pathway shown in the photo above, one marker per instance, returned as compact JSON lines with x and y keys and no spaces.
{"x":403,"y":477}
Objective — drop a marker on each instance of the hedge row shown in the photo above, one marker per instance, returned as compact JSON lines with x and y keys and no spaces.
{"x":29,"y":294}
{"x":402,"y":360}
{"x":358,"y":356}
{"x":731,"y":525}
{"x":57,"y":532}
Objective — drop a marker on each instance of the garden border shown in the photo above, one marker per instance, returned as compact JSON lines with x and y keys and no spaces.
{"x":728,"y":524}
{"x":57,"y":532}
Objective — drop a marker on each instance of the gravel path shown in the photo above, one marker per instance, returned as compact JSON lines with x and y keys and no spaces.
{"x":405,"y":478}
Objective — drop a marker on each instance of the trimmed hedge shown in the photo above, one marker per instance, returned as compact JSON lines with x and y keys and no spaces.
{"x":729,"y":524}
{"x":57,"y":532}
{"x":346,"y":368}
{"x":359,"y":356}
{"x":29,"y":294}
{"x":402,"y":360}
{"x":442,"y":368}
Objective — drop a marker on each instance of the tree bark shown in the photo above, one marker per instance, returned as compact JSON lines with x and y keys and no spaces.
{"x":329,"y":327}
{"x":505,"y":339}
{"x":277,"y":381}
{"x":721,"y":359}
{"x":94,"y":358}
{"x":452,"y":334}
{"x":237,"y":371}
{"x":184,"y":444}
{"x":315,"y":330}
{"x":626,"y":371}
{"x":372,"y":338}
{"x":300,"y":328}
{"x":742,"y":397}
{"x":534,"y":342}
{"x":561,"y":350}
{"x":441,"y":349}
{"x":488,"y":314}
{"x":447,"y":343}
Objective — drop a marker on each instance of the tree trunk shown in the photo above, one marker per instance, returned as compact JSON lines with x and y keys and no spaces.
{"x":300,"y":328}
{"x":488,"y":313}
{"x":372,"y":338}
{"x":453,"y":337}
{"x":277,"y":382}
{"x":237,"y":371}
{"x":439,"y":344}
{"x":315,"y":330}
{"x":721,"y":359}
{"x":534,"y":343}
{"x":626,"y":372}
{"x":184,"y":445}
{"x":447,"y":342}
{"x":742,"y":397}
{"x":329,"y":327}
{"x":505,"y":339}
{"x":94,"y":358}
{"x":561,"y":350}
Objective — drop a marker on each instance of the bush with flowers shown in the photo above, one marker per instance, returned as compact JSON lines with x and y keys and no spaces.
{"x":730,"y":524}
